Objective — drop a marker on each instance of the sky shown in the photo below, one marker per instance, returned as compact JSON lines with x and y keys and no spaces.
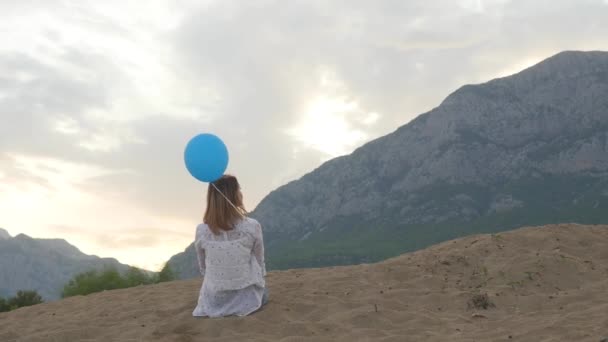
{"x":98,"y":99}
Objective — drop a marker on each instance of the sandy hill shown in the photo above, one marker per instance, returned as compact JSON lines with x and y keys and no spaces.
{"x":547,"y":284}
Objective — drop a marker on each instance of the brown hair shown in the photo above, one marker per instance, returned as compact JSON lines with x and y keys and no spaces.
{"x":220,"y":214}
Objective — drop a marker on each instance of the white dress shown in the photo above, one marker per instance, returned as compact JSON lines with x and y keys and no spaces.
{"x":232,"y":264}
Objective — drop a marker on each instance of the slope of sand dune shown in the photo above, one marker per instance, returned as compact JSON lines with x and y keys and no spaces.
{"x":547,"y":284}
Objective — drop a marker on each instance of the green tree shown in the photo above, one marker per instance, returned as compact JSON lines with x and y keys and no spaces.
{"x":93,"y":281}
{"x":24,"y":298}
{"x":166,"y":274}
{"x":135,"y":277}
{"x":109,"y":279}
{"x":4,"y":305}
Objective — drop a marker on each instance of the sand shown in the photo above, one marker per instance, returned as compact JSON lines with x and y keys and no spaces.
{"x":547,"y":284}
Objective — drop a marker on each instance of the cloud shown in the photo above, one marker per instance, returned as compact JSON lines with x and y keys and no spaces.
{"x":136,"y":244}
{"x":131,"y":237}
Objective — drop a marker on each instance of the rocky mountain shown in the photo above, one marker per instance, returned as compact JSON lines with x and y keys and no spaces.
{"x":44,"y":265}
{"x":4,"y":235}
{"x":527,"y":149}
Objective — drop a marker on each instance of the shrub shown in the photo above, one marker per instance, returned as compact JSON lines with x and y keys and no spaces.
{"x":166,"y":274}
{"x":3,"y":305}
{"x":93,"y":281}
{"x":23,"y":298}
{"x":480,"y":301}
{"x":110,"y":279}
{"x":135,"y":277}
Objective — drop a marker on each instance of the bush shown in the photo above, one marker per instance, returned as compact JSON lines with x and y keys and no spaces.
{"x":22,"y":299}
{"x":110,"y":279}
{"x":92,"y":281}
{"x":135,"y":277}
{"x":25,"y":298}
{"x":166,"y":274}
{"x":480,"y":301}
{"x":3,"y":305}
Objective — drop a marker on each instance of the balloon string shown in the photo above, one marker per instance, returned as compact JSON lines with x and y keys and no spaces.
{"x":229,"y":201}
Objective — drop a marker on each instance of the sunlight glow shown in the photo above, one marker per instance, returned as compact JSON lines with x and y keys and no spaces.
{"x":332,"y":122}
{"x":328,"y":126}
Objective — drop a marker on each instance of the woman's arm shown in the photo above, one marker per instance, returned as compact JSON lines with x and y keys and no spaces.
{"x":258,"y":247}
{"x":200,"y":252}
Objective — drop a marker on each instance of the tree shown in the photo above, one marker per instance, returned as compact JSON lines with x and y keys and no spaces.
{"x":4,"y":305}
{"x":110,"y":279}
{"x":93,"y":281}
{"x":135,"y":277}
{"x":166,"y":274}
{"x":24,"y":298}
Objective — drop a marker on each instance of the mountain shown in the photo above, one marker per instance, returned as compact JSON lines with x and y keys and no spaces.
{"x":4,"y":235}
{"x":528,"y":149}
{"x":44,"y":265}
{"x":540,"y":284}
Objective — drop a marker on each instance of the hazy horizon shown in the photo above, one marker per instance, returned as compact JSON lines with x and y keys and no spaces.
{"x":98,"y":100}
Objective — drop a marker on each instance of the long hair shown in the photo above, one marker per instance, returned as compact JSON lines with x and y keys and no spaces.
{"x":220,"y":214}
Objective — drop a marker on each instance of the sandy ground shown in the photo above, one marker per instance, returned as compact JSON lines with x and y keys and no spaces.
{"x":547,"y":284}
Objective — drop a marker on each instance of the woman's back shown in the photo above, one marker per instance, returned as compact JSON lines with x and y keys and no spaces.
{"x":232,"y":263}
{"x":234,"y":259}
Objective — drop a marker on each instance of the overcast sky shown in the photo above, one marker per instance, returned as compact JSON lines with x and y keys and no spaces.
{"x":99,"y":98}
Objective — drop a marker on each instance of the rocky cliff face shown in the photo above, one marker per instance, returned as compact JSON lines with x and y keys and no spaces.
{"x":44,"y":265}
{"x":531,"y":148}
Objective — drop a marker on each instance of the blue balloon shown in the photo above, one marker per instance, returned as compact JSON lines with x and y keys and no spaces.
{"x":206,"y":157}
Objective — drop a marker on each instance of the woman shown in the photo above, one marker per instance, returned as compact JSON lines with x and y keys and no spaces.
{"x":230,"y":252}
